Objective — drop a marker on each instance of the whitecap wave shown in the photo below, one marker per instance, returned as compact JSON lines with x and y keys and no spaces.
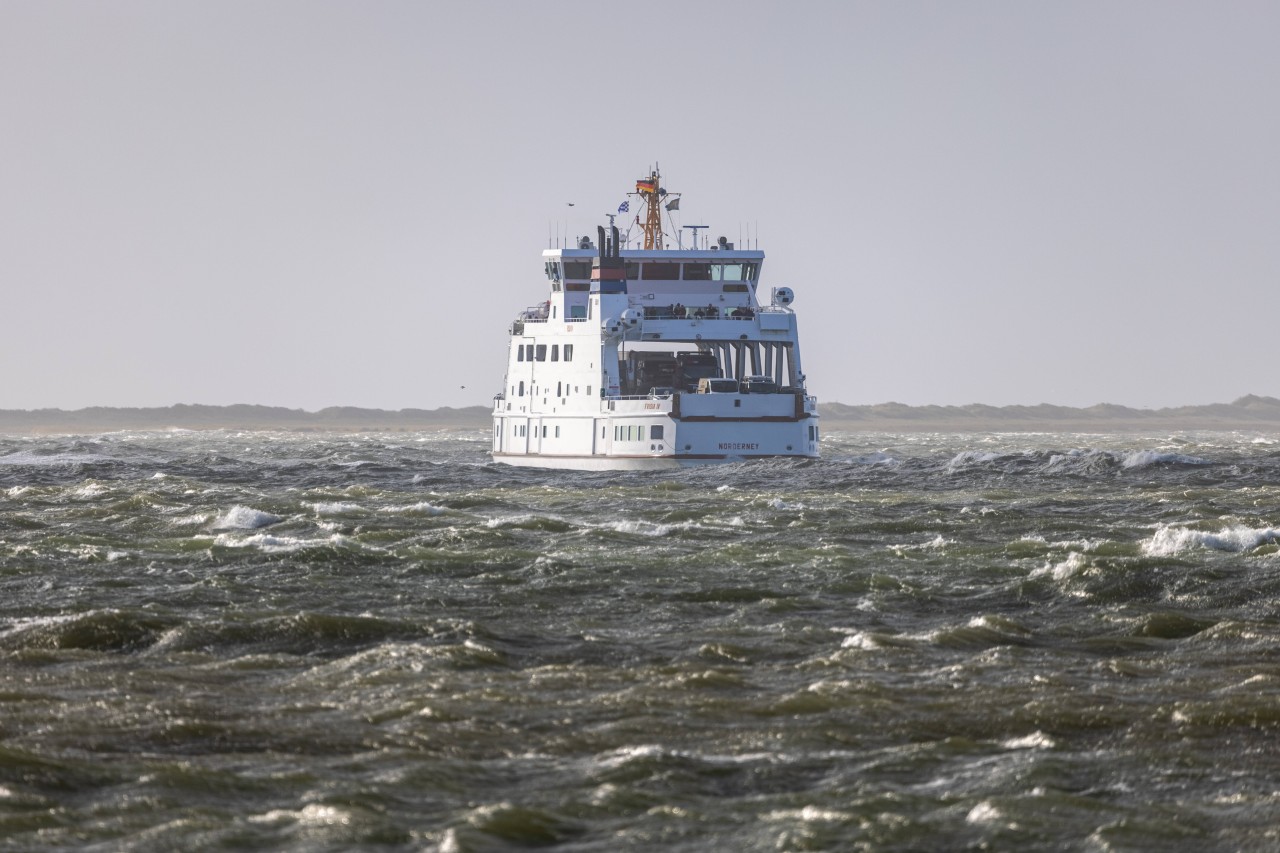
{"x":1169,"y":540}
{"x":641,"y":528}
{"x":808,"y":814}
{"x":335,"y":508}
{"x":1073,"y":565}
{"x":420,"y":508}
{"x":245,"y":518}
{"x":983,"y":812}
{"x":1147,"y":458}
{"x":861,"y":641}
{"x":270,"y":544}
{"x":877,"y":458}
{"x":1035,"y":740}
{"x":969,"y":458}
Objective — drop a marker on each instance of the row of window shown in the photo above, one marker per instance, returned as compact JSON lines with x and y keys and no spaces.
{"x":538,"y":352}
{"x":522,"y":431}
{"x":662,"y":271}
{"x":635,"y":432}
{"x":631,"y":432}
{"x":562,"y":389}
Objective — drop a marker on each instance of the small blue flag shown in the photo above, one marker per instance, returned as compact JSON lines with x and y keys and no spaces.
{"x":624,"y":207}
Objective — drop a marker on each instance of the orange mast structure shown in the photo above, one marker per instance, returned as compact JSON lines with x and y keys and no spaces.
{"x":651,"y":193}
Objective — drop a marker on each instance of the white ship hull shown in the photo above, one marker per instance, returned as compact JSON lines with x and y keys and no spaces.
{"x":648,"y":440}
{"x":619,"y":463}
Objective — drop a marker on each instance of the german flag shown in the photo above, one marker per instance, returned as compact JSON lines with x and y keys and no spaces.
{"x":646,"y":186}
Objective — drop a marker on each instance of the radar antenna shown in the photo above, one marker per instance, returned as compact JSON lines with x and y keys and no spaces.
{"x":694,"y":229}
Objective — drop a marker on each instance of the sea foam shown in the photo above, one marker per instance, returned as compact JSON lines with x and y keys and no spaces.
{"x":245,"y":518}
{"x":1169,"y":540}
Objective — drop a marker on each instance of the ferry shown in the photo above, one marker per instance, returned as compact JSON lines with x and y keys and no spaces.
{"x":652,"y":357}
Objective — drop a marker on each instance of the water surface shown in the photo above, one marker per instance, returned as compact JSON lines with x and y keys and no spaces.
{"x":947,"y":642}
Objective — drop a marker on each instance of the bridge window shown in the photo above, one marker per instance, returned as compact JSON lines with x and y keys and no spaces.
{"x":697,"y":272}
{"x":568,"y":352}
{"x":541,"y":352}
{"x":555,"y":352}
{"x":734,"y":272}
{"x":577,"y":269}
{"x":519,"y":353}
{"x":655,"y":431}
{"x":661,"y":272}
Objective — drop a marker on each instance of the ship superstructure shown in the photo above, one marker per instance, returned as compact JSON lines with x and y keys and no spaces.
{"x":653,"y":358}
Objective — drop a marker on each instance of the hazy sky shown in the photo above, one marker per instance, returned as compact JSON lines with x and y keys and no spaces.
{"x":343,"y":203}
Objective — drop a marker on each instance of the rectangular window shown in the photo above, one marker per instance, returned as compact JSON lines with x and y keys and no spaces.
{"x":544,"y":432}
{"x":632,"y":270}
{"x":655,"y":431}
{"x":555,"y":352}
{"x":661,"y":272}
{"x":734,"y":288}
{"x":528,"y":352}
{"x":697,"y":272}
{"x":568,"y":352}
{"x":519,"y":353}
{"x":541,"y":352}
{"x":726,"y":272}
{"x":577,"y":269}
{"x":577,"y":287}
{"x":557,"y":432}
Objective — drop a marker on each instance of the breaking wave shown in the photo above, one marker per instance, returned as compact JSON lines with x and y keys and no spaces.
{"x":1172,"y":539}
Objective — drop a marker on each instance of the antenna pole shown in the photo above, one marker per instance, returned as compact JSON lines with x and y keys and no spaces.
{"x":694,"y":229}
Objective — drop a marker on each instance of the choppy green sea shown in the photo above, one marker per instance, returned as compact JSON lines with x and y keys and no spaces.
{"x":316,"y":642}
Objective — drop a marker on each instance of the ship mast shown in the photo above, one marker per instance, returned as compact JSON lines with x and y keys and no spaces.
{"x":652,"y":194}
